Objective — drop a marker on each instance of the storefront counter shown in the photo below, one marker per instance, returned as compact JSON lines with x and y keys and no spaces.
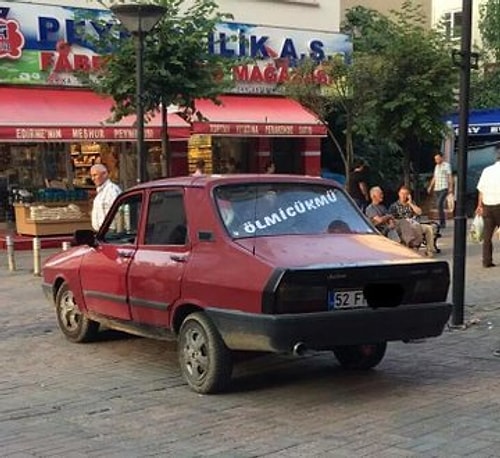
{"x":51,"y":218}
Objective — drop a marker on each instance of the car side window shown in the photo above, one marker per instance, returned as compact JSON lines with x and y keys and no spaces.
{"x":166,"y":220}
{"x":125,"y":223}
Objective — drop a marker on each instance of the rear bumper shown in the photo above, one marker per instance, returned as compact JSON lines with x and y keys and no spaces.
{"x":324,"y":330}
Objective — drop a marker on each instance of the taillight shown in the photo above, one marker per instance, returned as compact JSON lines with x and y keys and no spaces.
{"x":300,"y":298}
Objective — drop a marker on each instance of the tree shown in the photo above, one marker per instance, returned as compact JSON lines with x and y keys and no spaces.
{"x":414,"y":85}
{"x":485,"y":84}
{"x":178,"y":67}
{"x":489,"y":26}
{"x":395,"y":91}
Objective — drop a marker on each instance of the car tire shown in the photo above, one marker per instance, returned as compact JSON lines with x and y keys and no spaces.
{"x":205,"y":361}
{"x":74,"y":325}
{"x":361,"y":357}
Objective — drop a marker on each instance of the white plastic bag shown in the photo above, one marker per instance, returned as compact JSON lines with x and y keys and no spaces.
{"x":476,"y":229}
{"x":450,"y":202}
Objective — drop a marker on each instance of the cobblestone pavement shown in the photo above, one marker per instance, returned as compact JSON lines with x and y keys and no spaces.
{"x":124,"y":397}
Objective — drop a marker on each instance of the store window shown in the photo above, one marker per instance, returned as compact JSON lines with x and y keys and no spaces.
{"x":231,"y":154}
{"x":221,"y":154}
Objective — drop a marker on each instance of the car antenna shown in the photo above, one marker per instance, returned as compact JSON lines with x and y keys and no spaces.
{"x":255,"y":217}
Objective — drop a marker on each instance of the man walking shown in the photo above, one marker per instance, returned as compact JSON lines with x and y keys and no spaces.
{"x":442,"y":183}
{"x":488,"y":205}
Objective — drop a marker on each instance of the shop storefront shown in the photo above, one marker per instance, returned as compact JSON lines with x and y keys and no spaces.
{"x":243,"y":133}
{"x":58,"y":134}
{"x":50,"y":138}
{"x":52,"y":130}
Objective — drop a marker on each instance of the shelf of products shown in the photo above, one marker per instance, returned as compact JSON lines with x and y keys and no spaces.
{"x":85,"y":155}
{"x":200,"y":147}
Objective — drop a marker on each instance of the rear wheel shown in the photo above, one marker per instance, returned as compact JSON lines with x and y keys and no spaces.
{"x":206,"y":362}
{"x":73,"y":324}
{"x":361,"y":357}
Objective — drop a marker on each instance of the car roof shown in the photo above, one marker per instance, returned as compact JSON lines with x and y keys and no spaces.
{"x":212,"y":180}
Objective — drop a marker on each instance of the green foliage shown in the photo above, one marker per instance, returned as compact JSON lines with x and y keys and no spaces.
{"x":489,"y":26}
{"x":177,"y":65}
{"x":396,"y":90}
{"x":485,"y":84}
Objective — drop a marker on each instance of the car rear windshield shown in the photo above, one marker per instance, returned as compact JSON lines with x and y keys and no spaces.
{"x":269,"y":209}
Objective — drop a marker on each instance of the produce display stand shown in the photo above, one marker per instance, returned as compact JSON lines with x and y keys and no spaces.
{"x":44,"y":227}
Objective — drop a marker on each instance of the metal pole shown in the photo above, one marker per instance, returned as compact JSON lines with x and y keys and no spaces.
{"x":36,"y":256}
{"x":459,"y":235}
{"x":11,"y":260}
{"x":141,"y":153}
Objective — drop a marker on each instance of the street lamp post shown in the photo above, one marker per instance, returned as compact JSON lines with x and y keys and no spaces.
{"x":139,"y":20}
{"x":463,"y":60}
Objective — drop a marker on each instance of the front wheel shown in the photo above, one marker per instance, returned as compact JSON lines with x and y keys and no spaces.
{"x":206,"y":362}
{"x":361,"y":357}
{"x":73,"y":324}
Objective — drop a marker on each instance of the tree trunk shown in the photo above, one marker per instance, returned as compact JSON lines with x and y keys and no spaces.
{"x":343,"y":155}
{"x":349,"y":151}
{"x":165,"y":144}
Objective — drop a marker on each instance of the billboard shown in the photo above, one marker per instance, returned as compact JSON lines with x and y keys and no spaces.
{"x":46,"y":44}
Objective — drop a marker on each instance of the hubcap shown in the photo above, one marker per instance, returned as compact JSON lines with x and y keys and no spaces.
{"x":68,"y":312}
{"x":195,"y":354}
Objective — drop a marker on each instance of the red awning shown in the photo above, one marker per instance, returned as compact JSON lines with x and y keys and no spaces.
{"x":245,"y":116}
{"x":58,"y":115}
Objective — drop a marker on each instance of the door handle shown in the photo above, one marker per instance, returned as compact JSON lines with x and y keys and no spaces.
{"x":125,"y":253}
{"x":178,"y":257}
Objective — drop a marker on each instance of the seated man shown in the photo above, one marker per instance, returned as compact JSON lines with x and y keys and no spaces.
{"x":405,"y":212}
{"x":380,"y":216}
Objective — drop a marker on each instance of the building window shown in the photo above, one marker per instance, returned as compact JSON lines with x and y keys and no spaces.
{"x":452,"y":23}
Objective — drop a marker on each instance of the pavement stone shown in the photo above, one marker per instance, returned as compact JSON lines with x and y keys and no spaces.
{"x":124,"y":396}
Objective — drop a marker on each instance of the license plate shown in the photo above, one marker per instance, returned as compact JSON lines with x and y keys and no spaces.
{"x":346,"y":299}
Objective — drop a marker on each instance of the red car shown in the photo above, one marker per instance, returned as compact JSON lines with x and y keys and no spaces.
{"x":246,"y":262}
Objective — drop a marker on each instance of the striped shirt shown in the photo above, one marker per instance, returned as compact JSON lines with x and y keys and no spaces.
{"x":442,"y":174}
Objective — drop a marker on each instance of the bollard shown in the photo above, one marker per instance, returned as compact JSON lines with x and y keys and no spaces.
{"x":65,"y":246}
{"x":36,"y":256}
{"x":9,"y":242}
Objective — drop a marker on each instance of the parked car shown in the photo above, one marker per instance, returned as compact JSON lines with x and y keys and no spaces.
{"x":265,"y":263}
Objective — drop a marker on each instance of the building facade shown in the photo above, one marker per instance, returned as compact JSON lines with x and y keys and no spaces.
{"x":59,"y":128}
{"x":447,"y":13}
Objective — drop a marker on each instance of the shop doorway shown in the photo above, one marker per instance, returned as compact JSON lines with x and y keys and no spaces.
{"x":286,"y":155}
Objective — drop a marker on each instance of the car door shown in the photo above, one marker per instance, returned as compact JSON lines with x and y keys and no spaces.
{"x":104,"y":269}
{"x":155,"y":275}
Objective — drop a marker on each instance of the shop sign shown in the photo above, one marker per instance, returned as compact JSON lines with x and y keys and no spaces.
{"x":275,"y":52}
{"x":248,"y":130}
{"x":481,"y":130}
{"x":45,"y":44}
{"x":55,"y":134}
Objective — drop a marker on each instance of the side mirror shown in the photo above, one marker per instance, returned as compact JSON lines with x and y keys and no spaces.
{"x":84,"y":237}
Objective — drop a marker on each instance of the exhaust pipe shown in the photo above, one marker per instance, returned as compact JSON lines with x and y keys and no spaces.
{"x":299,"y":349}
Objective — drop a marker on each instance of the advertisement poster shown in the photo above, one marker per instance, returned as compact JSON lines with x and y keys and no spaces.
{"x":43,"y":44}
{"x":49,"y":45}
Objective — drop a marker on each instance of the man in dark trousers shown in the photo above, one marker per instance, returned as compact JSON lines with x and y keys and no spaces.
{"x":358,"y":188}
{"x":488,"y":205}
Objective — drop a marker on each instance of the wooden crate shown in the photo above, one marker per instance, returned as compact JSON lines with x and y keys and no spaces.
{"x":27,"y":226}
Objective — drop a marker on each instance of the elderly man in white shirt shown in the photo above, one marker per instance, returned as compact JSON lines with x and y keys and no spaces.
{"x":107,"y":192}
{"x":488,"y":205}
